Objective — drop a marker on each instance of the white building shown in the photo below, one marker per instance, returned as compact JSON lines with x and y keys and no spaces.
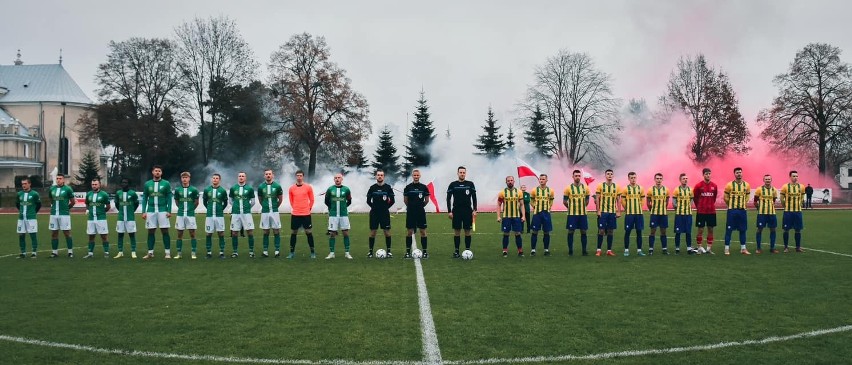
{"x":33,"y":101}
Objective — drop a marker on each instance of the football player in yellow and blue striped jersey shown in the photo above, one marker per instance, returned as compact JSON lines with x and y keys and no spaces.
{"x":764,"y":200}
{"x":791,"y":198}
{"x":609,"y":209}
{"x":682,"y":200}
{"x":658,"y":201}
{"x":736,"y":196}
{"x":510,"y":212}
{"x":632,"y":197}
{"x":576,"y":198}
{"x":541,"y":200}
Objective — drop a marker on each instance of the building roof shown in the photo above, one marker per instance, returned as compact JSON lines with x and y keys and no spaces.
{"x":6,"y":120}
{"x":35,"y":83}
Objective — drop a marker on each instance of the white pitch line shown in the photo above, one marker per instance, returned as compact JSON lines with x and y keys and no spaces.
{"x":828,"y":252}
{"x":431,"y":350}
{"x":212,"y":358}
{"x":636,"y":353}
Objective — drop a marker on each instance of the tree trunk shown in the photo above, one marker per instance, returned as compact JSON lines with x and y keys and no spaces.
{"x":312,"y":161}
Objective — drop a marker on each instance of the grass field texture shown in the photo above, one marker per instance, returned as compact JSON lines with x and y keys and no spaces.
{"x":490,"y":309}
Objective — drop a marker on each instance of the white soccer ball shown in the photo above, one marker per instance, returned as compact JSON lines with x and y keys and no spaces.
{"x":381,"y":253}
{"x":416,"y":253}
{"x":467,"y":255}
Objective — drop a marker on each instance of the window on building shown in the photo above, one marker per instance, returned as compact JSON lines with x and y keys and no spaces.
{"x":849,"y":171}
{"x":27,"y":150}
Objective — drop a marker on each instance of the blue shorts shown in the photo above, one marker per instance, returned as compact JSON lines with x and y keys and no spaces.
{"x":736,"y":220}
{"x":607,"y":221}
{"x":661,"y":221}
{"x":793,"y":220}
{"x":683,"y":224}
{"x":541,"y":221}
{"x":512,"y":224}
{"x":636,"y":221}
{"x":580,"y":222}
{"x":767,"y":220}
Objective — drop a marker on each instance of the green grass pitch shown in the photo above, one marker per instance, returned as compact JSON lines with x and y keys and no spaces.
{"x":488,"y":308}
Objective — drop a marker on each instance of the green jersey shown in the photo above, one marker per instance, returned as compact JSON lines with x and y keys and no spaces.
{"x":215,"y":199}
{"x":157,"y":197}
{"x":270,"y":196}
{"x":242,"y":198}
{"x":97,"y":204}
{"x":126,"y":203}
{"x":186,"y":199}
{"x":28,"y":204}
{"x":338,"y":198}
{"x":61,"y":200}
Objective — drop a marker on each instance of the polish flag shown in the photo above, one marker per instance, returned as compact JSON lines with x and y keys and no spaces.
{"x":524,"y":170}
{"x":587,"y":177}
{"x":432,"y":197}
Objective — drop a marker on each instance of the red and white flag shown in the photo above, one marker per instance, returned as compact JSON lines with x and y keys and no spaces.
{"x":432,"y":197}
{"x":524,"y":170}
{"x":587,"y":177}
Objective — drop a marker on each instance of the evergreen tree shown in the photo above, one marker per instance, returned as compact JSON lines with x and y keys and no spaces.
{"x":89,"y":170}
{"x":386,"y":158}
{"x":356,"y":159}
{"x":510,"y":139}
{"x":421,"y":136}
{"x":491,"y":142}
{"x":537,"y":134}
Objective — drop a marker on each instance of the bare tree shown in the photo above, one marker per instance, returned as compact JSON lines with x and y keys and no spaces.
{"x":812,"y":114}
{"x":211,"y":50}
{"x":708,"y":100}
{"x":576,"y":102}
{"x":320,"y":110}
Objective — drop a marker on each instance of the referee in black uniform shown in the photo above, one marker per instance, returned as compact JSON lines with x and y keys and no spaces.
{"x":416,"y":197}
{"x":461,"y":203}
{"x":380,"y":199}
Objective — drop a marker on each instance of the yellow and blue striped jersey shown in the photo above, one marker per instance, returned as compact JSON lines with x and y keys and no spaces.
{"x":791,"y":197}
{"x":659,"y":199}
{"x":542,"y":199}
{"x":607,"y":197}
{"x":633,"y":196}
{"x":766,"y":199}
{"x":511,"y":199}
{"x":736,"y":194}
{"x":683,"y":195}
{"x":576,"y":196}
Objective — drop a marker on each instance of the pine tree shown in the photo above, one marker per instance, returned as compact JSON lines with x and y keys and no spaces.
{"x":386,"y":158}
{"x":491,"y":142}
{"x":510,"y":139}
{"x":89,"y":170}
{"x":421,"y":136}
{"x":537,"y":134}
{"x":356,"y":159}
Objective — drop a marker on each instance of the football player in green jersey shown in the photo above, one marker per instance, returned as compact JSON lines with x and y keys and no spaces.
{"x":338,"y":198}
{"x":28,"y":204}
{"x":242,"y":199}
{"x":271,"y":195}
{"x":157,"y":209}
{"x":97,"y":204}
{"x":215,"y":198}
{"x":61,"y":201}
{"x":126,"y":201}
{"x":186,"y":198}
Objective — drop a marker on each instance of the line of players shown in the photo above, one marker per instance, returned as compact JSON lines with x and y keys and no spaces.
{"x":611,"y":201}
{"x":158,"y":197}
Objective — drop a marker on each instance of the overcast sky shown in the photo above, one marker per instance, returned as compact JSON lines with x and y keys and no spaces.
{"x":466,"y":55}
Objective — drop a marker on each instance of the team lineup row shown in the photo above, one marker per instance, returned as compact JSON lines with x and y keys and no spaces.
{"x":515,"y":207}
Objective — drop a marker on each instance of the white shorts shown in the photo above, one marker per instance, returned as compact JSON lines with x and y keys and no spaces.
{"x":214,"y":224}
{"x":242,"y":221}
{"x":125,"y":226}
{"x":182,"y":223}
{"x":338,"y":223}
{"x":27,"y":226}
{"x":60,"y":222}
{"x":97,"y":227}
{"x":157,"y":220}
{"x":270,"y":220}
